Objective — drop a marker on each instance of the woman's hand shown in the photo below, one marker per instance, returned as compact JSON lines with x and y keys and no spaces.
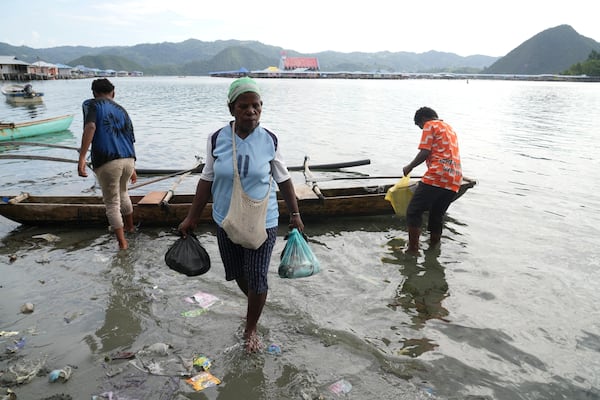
{"x":296,"y":222}
{"x":186,"y":226}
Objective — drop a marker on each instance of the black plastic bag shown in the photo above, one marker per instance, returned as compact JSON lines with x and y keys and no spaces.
{"x":187,"y":256}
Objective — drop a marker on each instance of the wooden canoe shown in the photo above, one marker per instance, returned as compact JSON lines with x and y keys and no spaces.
{"x":21,"y":130}
{"x":151,"y":210}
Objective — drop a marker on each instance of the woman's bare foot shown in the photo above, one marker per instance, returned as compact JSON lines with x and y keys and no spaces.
{"x":120,"y":234}
{"x":253,"y":342}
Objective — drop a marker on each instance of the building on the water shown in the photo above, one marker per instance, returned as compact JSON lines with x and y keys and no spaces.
{"x":13,"y":69}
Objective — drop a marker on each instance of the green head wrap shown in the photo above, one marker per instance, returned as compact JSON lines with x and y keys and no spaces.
{"x":241,"y":85}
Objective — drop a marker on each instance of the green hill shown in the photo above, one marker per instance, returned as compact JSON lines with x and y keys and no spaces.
{"x":195,"y":57}
{"x":549,"y":52}
{"x":106,"y":62}
{"x":590,"y":67}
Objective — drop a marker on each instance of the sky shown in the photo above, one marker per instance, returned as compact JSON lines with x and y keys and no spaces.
{"x":466,"y":27}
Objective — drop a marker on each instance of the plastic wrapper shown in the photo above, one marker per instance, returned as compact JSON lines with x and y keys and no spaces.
{"x":203,"y":380}
{"x":188,"y":257}
{"x":297,"y":258}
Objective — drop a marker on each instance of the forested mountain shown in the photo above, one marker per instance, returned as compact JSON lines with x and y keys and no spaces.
{"x":549,"y":52}
{"x":195,"y":57}
{"x":590,"y":67}
{"x":116,"y":63}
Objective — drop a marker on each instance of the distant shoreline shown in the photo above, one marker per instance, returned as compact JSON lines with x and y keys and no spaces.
{"x":397,"y":76}
{"x":362,"y":75}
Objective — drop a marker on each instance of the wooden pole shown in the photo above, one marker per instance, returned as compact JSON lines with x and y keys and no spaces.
{"x":310,"y":179}
{"x":162,"y":178}
{"x":165,"y":201}
{"x":56,"y":146}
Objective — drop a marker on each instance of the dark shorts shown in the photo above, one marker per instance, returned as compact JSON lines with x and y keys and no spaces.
{"x":429,"y":198}
{"x":252,"y":265}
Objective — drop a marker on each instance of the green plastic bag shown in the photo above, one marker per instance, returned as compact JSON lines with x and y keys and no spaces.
{"x":297,"y":259}
{"x":400,"y":195}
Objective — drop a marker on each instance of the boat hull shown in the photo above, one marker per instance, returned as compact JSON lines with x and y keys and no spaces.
{"x":17,"y":94}
{"x":35,"y":128}
{"x":22,"y":99}
{"x":81,"y":211}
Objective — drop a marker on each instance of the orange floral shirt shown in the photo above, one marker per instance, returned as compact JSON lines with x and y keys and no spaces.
{"x":443,"y":163}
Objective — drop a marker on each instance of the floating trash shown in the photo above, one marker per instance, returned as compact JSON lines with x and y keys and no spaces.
{"x":202,"y":363}
{"x":340,"y":387}
{"x":27,"y":308}
{"x":48,"y":237}
{"x":204,"y":300}
{"x":16,"y":346}
{"x":60,"y":375}
{"x":122,"y":355}
{"x":203,"y":380}
{"x":10,"y":395}
{"x":22,"y":372}
{"x":8,"y":333}
{"x":157,"y":349}
{"x":274,"y":349}
{"x":193,"y":313}
{"x":103,"y":396}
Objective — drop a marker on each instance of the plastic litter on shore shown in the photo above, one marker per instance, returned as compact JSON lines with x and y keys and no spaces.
{"x":202,"y":363}
{"x":23,"y":371}
{"x":203,"y":380}
{"x":340,"y":387}
{"x":60,"y":375}
{"x":193,"y":313}
{"x":274,"y":349}
{"x":16,"y":346}
{"x":204,"y":300}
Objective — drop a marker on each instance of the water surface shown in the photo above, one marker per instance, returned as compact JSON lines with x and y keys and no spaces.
{"x":505,"y":309}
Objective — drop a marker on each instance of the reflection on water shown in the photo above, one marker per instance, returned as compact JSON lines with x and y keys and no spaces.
{"x":126,"y":303}
{"x":31,"y":111}
{"x":420,"y":294}
{"x":244,"y":379}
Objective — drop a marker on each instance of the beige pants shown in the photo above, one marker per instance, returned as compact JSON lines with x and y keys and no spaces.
{"x":114,"y":177}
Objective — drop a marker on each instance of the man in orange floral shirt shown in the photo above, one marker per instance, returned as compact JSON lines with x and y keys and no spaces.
{"x":438,"y":187}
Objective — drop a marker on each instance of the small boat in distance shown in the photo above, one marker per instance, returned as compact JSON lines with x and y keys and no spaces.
{"x":20,"y":130}
{"x":21,"y":94}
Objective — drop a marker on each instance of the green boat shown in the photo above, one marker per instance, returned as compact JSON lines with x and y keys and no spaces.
{"x":20,"y":130}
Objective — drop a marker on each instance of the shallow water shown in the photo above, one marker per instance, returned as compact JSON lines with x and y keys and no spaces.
{"x":506,"y":309}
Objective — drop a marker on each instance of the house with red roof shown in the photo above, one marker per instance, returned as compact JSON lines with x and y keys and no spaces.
{"x":298,"y":63}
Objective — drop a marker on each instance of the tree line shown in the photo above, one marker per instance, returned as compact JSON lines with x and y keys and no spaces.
{"x":590,"y":67}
